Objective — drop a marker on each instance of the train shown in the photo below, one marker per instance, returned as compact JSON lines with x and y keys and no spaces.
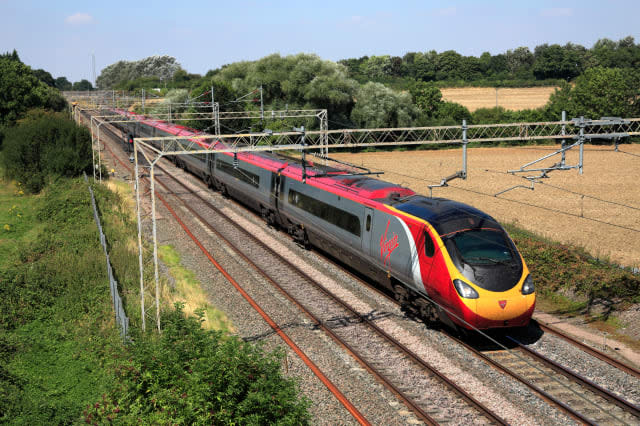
{"x":447,"y":261}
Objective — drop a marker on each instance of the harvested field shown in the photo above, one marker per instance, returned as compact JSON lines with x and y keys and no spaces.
{"x":603,"y":228}
{"x":508,"y":98}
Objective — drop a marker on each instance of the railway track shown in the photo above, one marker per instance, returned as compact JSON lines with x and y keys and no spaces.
{"x":357,"y":333}
{"x":577,"y":396}
{"x":343,"y":323}
{"x":581,"y":399}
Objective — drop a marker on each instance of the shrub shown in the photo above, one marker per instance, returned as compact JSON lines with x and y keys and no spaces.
{"x":189,"y":375}
{"x":45,"y":145}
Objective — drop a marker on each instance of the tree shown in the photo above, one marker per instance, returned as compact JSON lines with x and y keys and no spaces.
{"x":12,"y":56}
{"x":20,"y":90}
{"x":556,"y":61}
{"x":378,"y":67}
{"x":424,"y":66}
{"x":63,"y":84}
{"x":83,"y":85}
{"x":44,"y":77}
{"x":605,"y":92}
{"x":451,"y":113}
{"x":519,"y":60}
{"x":427,"y":97}
{"x":302,"y":81}
{"x":379,"y":106}
{"x":45,"y":145}
{"x":598,"y":92}
{"x":163,"y":67}
{"x":449,"y":64}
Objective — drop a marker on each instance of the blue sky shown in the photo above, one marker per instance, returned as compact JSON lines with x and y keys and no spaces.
{"x":60,"y":36}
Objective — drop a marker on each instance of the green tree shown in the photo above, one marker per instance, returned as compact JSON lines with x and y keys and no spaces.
{"x":427,"y":97}
{"x":556,"y":61}
{"x":379,"y":106}
{"x":519,"y":60}
{"x":45,"y":145}
{"x":163,"y":67}
{"x":44,"y":77}
{"x":20,"y":90}
{"x":596,"y":93}
{"x":82,"y":85}
{"x":378,"y":67}
{"x":62,"y":83}
{"x":451,"y":113}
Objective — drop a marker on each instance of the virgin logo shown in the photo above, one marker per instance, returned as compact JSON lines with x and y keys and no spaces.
{"x":387,"y":246}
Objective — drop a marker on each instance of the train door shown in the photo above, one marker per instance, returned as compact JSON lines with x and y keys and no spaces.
{"x":368,"y":228}
{"x":210,"y":164}
{"x":426,"y":250}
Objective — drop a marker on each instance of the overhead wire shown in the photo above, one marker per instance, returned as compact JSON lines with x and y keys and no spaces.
{"x":567,"y":190}
{"x":556,"y":211}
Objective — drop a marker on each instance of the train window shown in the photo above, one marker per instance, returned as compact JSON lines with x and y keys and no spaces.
{"x":429,"y":247}
{"x":242,"y":174}
{"x":368,"y":222}
{"x":338,"y":217}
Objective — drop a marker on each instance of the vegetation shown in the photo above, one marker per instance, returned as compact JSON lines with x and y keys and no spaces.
{"x":372,"y":91}
{"x":45,"y":145}
{"x":561,"y":269}
{"x":547,"y":63}
{"x":61,"y":358}
{"x":159,"y":67}
{"x":22,"y":90}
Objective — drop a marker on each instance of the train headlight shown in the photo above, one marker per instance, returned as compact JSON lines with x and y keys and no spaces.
{"x":528,"y":287}
{"x":465,"y":290}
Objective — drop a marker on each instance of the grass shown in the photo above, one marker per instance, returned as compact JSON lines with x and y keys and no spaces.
{"x":56,"y":325}
{"x":188,"y":291}
{"x":17,"y":224}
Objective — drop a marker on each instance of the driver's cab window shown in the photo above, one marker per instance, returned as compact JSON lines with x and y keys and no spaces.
{"x":429,"y":247}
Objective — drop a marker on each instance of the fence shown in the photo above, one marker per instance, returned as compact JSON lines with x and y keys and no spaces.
{"x":121,"y":317}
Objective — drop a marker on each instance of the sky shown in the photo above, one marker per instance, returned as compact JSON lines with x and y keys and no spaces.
{"x":60,"y":36}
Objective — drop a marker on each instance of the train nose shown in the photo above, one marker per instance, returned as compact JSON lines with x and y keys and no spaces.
{"x":501,"y":309}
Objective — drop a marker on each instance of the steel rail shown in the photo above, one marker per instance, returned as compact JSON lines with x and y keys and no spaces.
{"x":543,"y":394}
{"x":406,"y":399}
{"x":319,"y":323}
{"x":325,"y":380}
{"x":595,"y":388}
{"x":596,"y":353}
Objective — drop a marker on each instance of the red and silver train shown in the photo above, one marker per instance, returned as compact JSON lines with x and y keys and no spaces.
{"x":447,"y":260}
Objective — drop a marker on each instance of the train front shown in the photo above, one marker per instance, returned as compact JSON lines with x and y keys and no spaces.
{"x":478,"y":275}
{"x":493,"y":287}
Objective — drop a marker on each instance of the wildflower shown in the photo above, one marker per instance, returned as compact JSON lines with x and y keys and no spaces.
{"x":7,"y":227}
{"x":20,"y":192}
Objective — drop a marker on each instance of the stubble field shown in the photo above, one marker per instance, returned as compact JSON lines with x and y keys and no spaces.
{"x":599,"y":210}
{"x":508,"y":98}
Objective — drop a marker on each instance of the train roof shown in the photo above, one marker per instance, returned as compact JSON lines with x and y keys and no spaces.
{"x":446,"y":216}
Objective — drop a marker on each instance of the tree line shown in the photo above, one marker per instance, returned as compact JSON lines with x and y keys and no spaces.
{"x":393,"y":91}
{"x":515,"y":67}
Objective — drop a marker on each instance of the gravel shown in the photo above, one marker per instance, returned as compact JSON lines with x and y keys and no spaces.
{"x":507,"y":398}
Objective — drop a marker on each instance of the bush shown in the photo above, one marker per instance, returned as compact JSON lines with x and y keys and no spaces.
{"x":45,"y":145}
{"x":188,"y":375}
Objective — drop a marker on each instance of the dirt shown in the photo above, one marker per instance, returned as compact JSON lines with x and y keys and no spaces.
{"x":508,"y":98}
{"x":598,"y":210}
{"x":598,"y":339}
{"x":607,"y":226}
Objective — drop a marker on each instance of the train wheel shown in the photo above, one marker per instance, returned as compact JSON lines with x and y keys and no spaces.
{"x":427,"y":311}
{"x":401,"y":295}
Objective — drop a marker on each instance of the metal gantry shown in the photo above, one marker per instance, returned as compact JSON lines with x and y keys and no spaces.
{"x":154,"y":148}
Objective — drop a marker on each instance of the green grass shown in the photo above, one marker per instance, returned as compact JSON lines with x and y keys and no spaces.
{"x":188,"y":291}
{"x":55,"y":316}
{"x":17,"y":220}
